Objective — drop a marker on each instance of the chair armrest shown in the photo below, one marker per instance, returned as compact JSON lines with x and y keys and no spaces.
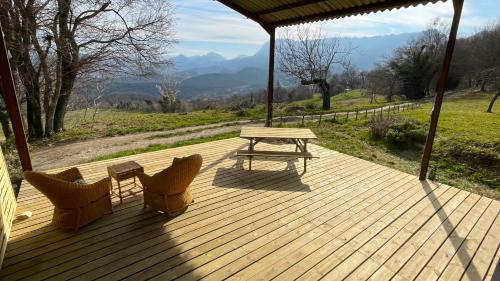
{"x":151,"y":184}
{"x":70,"y":175}
{"x":87,"y":193}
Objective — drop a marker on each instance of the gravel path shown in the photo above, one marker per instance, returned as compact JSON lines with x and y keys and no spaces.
{"x":53,"y":156}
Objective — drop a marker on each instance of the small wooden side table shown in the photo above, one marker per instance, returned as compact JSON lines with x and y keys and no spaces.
{"x":123,"y":171}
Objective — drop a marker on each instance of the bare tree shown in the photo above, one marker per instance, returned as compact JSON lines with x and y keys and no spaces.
{"x":380,"y":81}
{"x":307,"y":55}
{"x":168,"y":90}
{"x":68,"y":38}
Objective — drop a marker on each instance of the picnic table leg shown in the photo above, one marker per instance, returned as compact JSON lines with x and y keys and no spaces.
{"x":250,"y":148}
{"x":305,"y":150}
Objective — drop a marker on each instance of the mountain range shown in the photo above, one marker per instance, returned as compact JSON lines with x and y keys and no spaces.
{"x":214,"y":75}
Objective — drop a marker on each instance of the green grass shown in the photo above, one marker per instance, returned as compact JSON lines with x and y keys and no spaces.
{"x":156,"y":147}
{"x":117,"y":122}
{"x":348,"y":101}
{"x":466,"y":150}
{"x":112,"y":122}
{"x":465,"y":154}
{"x":464,"y":117}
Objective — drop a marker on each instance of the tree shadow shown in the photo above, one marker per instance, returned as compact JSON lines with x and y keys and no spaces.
{"x":131,"y":235}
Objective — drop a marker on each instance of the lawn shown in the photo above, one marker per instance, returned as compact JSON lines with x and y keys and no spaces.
{"x":111,"y":122}
{"x":466,"y":151}
{"x":348,"y":101}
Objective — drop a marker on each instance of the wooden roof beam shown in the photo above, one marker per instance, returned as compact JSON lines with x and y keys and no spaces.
{"x":288,"y":6}
{"x":269,"y":28}
{"x":373,"y":7}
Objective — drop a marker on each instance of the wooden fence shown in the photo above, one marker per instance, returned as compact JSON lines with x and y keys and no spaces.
{"x":357,"y":114}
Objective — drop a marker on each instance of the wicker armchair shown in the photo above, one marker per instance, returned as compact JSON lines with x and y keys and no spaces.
{"x":75,"y":204}
{"x":168,"y":190}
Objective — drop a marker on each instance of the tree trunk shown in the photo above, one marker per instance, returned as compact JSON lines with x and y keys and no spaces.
{"x":4,"y":120}
{"x":68,"y":55}
{"x":483,"y":85}
{"x":34,"y":113}
{"x":490,"y":107}
{"x":62,"y":102}
{"x":325,"y":94}
{"x":33,"y":106}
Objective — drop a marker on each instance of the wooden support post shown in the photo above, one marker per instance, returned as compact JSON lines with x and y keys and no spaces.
{"x":12,"y":106}
{"x":441,"y":87}
{"x":270,"y":82}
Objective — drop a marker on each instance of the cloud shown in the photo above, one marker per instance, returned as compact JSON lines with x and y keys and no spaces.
{"x":212,"y":22}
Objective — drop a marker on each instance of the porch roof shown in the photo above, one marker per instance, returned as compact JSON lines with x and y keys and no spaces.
{"x":271,"y":14}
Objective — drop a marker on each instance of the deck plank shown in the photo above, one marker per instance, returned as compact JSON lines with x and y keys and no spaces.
{"x":345,"y":218}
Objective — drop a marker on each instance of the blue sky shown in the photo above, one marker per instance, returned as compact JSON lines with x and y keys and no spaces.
{"x":204,"y":26}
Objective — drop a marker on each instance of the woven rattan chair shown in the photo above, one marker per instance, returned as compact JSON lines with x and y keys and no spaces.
{"x":75,"y":204}
{"x":168,"y":191}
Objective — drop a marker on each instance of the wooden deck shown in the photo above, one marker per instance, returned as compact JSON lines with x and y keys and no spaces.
{"x":345,"y":218}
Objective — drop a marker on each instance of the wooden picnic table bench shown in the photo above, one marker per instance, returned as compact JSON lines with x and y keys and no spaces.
{"x":256,"y":134}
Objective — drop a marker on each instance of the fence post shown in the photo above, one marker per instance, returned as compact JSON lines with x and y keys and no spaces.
{"x":347,"y":116}
{"x":319,"y":122}
{"x":366,"y":113}
{"x":334,"y":116}
{"x":389,"y":110}
{"x":356,"y":114}
{"x":381,"y":112}
{"x":303,"y":116}
{"x":398,"y":107}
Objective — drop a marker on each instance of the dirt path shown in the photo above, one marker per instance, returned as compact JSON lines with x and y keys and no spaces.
{"x":54,"y":156}
{"x":50,"y":157}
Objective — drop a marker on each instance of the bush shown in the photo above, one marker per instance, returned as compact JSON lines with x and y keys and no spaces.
{"x":406,"y":132}
{"x":380,"y":126}
{"x":310,"y":106}
{"x":242,"y":112}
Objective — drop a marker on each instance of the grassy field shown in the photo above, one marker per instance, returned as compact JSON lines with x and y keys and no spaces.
{"x":116,"y":122}
{"x":348,"y":101}
{"x":466,"y":152}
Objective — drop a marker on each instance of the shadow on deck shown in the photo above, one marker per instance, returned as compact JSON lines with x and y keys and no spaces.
{"x":344,"y":218}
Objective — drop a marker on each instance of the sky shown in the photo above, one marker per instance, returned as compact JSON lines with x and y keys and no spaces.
{"x":204,"y":26}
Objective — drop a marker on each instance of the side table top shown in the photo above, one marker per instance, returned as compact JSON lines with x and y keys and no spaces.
{"x":125,"y":168}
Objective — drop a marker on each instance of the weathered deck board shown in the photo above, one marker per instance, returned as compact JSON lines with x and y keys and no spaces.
{"x":346,"y":218}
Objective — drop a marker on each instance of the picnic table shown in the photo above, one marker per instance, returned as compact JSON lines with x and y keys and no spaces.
{"x":299,"y":137}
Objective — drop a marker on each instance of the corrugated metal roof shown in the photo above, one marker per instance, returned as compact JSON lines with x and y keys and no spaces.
{"x":278,"y":13}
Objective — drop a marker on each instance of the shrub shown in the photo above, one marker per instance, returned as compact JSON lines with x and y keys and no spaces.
{"x":311,"y":106}
{"x":380,"y":126}
{"x":406,"y":132}
{"x":242,"y":112}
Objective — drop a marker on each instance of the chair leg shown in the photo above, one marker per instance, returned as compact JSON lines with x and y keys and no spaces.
{"x":250,"y":163}
{"x":305,"y":165}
